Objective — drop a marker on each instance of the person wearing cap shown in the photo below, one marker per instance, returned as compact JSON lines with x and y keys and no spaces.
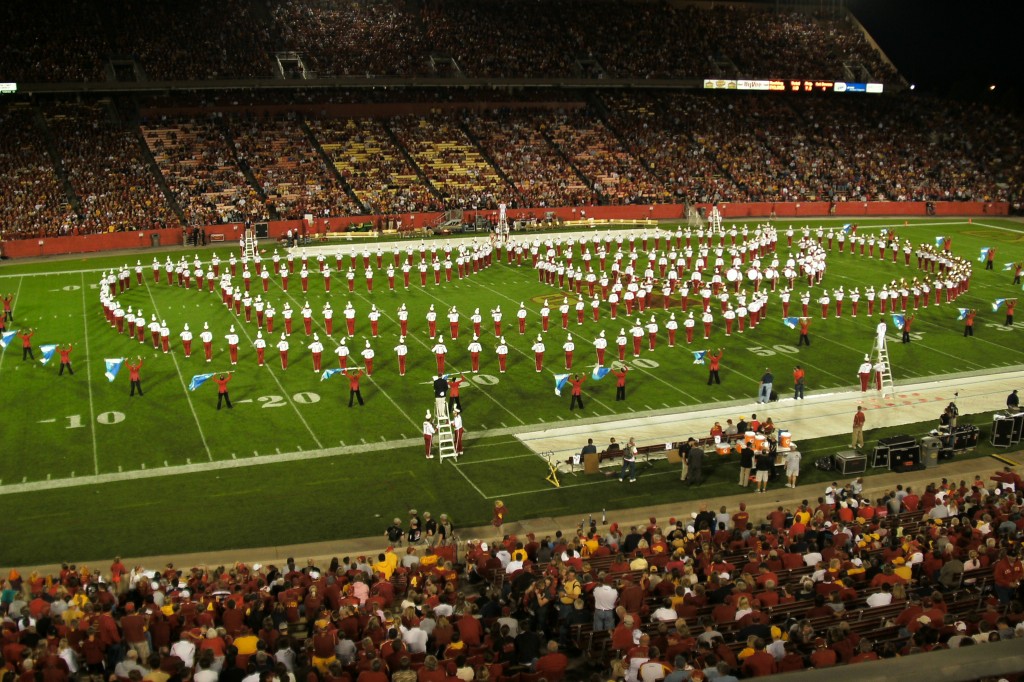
{"x":428,"y":435}
{"x":457,"y":428}
{"x":394,"y":533}
{"x":765,"y":386}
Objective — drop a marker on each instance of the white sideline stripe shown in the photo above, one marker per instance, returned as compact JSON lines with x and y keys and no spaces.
{"x":181,"y":378}
{"x":469,"y":481}
{"x":88,"y":381}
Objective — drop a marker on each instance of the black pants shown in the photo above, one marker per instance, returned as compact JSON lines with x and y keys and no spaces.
{"x":9,"y":314}
{"x":354,"y":393}
{"x":454,"y":402}
{"x":969,"y":331}
{"x":136,"y":384}
{"x":713,"y":376}
{"x":223,"y":397}
{"x":1016,"y":280}
{"x":988,"y":265}
{"x":620,"y":392}
{"x":576,"y":399}
{"x":1009,"y":320}
{"x":26,"y":352}
{"x":906,"y":336}
{"x":62,"y":366}
{"x":804,"y":340}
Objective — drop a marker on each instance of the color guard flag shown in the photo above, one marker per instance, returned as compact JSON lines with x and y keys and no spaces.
{"x":198,"y":380}
{"x":963,"y":313}
{"x":328,"y":373}
{"x":898,"y":321}
{"x":698,"y":357}
{"x":560,"y":381}
{"x":113,"y":367}
{"x":996,"y":303}
{"x":847,"y":227}
{"x":599,"y":373}
{"x":1007,"y":266}
{"x":47,"y":351}
{"x":940,"y":240}
{"x":984,"y":254}
{"x":6,"y":338}
{"x":791,"y":322}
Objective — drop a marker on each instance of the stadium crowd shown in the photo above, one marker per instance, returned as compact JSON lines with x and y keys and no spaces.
{"x":239,"y":38}
{"x":716,"y":594}
{"x":626,"y":148}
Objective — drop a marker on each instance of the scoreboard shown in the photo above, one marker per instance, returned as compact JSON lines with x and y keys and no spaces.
{"x":791,"y":85}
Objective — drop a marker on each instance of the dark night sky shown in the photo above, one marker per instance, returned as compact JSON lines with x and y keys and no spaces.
{"x":948,"y":47}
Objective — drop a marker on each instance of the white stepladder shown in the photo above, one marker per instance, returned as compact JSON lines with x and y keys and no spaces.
{"x":445,"y":438}
{"x":881,"y":364}
{"x":249,"y":243}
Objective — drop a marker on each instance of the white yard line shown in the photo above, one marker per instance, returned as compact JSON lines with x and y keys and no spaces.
{"x":469,"y":481}
{"x":423,"y":343}
{"x":273,"y":375}
{"x":181,"y":378}
{"x":88,"y":379}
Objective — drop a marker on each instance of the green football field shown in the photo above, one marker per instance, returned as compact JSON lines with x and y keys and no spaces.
{"x":90,"y":472}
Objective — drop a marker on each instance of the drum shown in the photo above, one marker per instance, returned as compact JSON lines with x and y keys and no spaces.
{"x":723,"y":448}
{"x":760,"y":443}
{"x":732,"y":275}
{"x":748,"y":437}
{"x":785,"y":439}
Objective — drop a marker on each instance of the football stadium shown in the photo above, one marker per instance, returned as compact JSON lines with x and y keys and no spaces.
{"x":505,"y":340}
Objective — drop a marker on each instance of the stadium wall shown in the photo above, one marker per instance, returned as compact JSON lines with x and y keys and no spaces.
{"x":231,"y":232}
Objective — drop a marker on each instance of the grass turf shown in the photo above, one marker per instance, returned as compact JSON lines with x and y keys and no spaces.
{"x":82,"y":426}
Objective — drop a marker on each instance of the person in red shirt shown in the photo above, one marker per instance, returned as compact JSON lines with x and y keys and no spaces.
{"x":760,"y":663}
{"x":222,"y":389}
{"x":353,"y":386}
{"x":911,"y":501}
{"x":858,"y":428}
{"x":805,"y":324}
{"x":454,"y":384}
{"x":1007,"y":574}
{"x":713,"y":364}
{"x":969,"y":323}
{"x":798,"y":383}
{"x":9,"y":308}
{"x":577,"y":391}
{"x":65,"y":359}
{"x":26,"y":343}
{"x":620,"y":382}
{"x":134,"y":376}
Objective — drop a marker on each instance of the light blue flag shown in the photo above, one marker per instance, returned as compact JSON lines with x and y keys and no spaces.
{"x":847,"y":227}
{"x":984,"y":254}
{"x":791,"y":322}
{"x":198,"y":380}
{"x":47,"y":350}
{"x":560,"y":381}
{"x":113,"y":367}
{"x":328,"y":373}
{"x":898,"y":321}
{"x":963,"y":313}
{"x":599,"y":373}
{"x":698,"y":357}
{"x":6,"y":338}
{"x":1007,"y":266}
{"x":940,"y":240}
{"x":997,"y":303}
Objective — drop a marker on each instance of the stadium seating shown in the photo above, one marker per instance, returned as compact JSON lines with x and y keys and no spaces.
{"x":876,"y":586}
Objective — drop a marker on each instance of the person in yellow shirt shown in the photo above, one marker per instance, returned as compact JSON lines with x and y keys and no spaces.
{"x":246,"y":643}
{"x":386,"y":564}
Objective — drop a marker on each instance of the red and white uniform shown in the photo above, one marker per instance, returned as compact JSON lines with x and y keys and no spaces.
{"x":502,"y":351}
{"x":474,"y":349}
{"x":186,"y":341}
{"x":282,"y":348}
{"x":538,"y":354}
{"x":260,"y":344}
